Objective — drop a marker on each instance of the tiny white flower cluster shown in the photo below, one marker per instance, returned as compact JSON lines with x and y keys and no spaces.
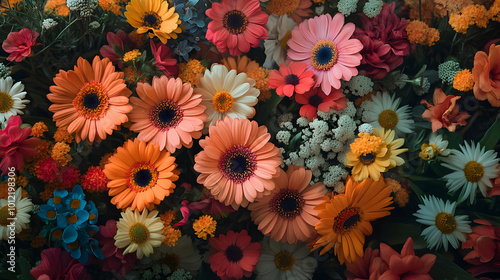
{"x":322,"y":146}
{"x":48,"y":23}
{"x":372,"y":8}
{"x":347,"y":7}
{"x":359,"y":85}
{"x":85,"y":7}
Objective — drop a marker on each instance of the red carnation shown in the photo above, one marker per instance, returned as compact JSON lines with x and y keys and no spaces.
{"x":19,"y":44}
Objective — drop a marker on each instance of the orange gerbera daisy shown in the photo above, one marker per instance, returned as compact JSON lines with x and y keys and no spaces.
{"x":238,"y":162}
{"x":167,"y":113}
{"x":287,"y":214}
{"x":345,"y":218}
{"x":90,"y":100}
{"x":141,"y":175}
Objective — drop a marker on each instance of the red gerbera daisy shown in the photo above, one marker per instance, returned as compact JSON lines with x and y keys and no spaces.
{"x":290,"y":79}
{"x":316,"y":99}
{"x":236,"y":25}
{"x":233,"y":256}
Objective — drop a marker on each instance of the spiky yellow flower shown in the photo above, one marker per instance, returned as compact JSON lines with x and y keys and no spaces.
{"x":204,"y":226}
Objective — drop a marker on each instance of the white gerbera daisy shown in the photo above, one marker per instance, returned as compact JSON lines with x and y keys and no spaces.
{"x":383,"y":112}
{"x":280,"y":30}
{"x":11,"y":99}
{"x":472,"y":168}
{"x":444,"y":226}
{"x":283,"y":261}
{"x":139,"y":232}
{"x":437,"y":146}
{"x":226,"y":93}
{"x":183,"y":255}
{"x":18,"y":214}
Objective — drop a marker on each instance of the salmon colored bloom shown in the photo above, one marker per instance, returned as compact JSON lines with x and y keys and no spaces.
{"x":287,"y":214}
{"x":484,"y":240}
{"x":18,"y":44}
{"x":486,"y":75}
{"x":316,"y":99}
{"x":238,"y":162}
{"x":167,"y":113}
{"x":444,"y":113}
{"x":91,"y":100}
{"x":291,"y":79}
{"x":141,"y":175}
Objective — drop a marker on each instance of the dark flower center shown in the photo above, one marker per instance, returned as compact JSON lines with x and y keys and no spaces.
{"x":143,"y":177}
{"x":238,"y":164}
{"x":151,"y":19}
{"x":292,"y":79}
{"x":91,"y":101}
{"x":347,"y":219}
{"x":235,"y":22}
{"x":233,"y":253}
{"x":324,"y":55}
{"x":367,"y":159}
{"x":315,"y":100}
{"x":287,"y":203}
{"x":165,"y":115}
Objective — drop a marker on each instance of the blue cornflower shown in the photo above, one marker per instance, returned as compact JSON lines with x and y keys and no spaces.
{"x":75,"y":200}
{"x":57,"y":200}
{"x":93,"y":213}
{"x":47,"y":212}
{"x":75,"y":248}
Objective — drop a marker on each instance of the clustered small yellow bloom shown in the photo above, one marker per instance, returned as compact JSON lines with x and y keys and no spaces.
{"x":463,"y":80}
{"x":204,"y":226}
{"x":468,"y":16}
{"x":261,"y":77}
{"x":60,"y":153}
{"x":420,"y":33}
{"x":111,"y":5}
{"x":429,"y":151}
{"x":131,"y":55}
{"x":171,"y":234}
{"x":62,"y":135}
{"x":38,"y":129}
{"x":401,"y":195}
{"x":191,"y":72}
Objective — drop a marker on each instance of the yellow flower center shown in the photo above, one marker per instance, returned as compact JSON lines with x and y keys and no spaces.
{"x":142,"y":176}
{"x":138,"y":233}
{"x":91,"y":101}
{"x":152,"y":20}
{"x":204,"y":226}
{"x":57,"y":200}
{"x":57,"y":234}
{"x":473,"y":171}
{"x":284,"y":261}
{"x":172,"y":261}
{"x":72,"y":219}
{"x":445,"y":222}
{"x":75,"y":203}
{"x":6,"y":102}
{"x":50,"y":214}
{"x":222,"y":101}
{"x":74,"y":245}
{"x":281,"y":7}
{"x":324,"y":55}
{"x":285,"y":39}
{"x":5,"y":214}
{"x":388,"y":119}
{"x":347,"y":219}
{"x":131,"y":55}
{"x":235,"y":22}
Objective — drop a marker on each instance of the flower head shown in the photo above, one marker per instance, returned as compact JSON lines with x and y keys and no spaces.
{"x":38,"y":129}
{"x":484,"y":240}
{"x":17,"y":210}
{"x":316,"y":100}
{"x":12,"y":100}
{"x":486,"y":75}
{"x":280,"y":31}
{"x":204,"y":226}
{"x":56,"y":263}
{"x":114,"y":259}
{"x":164,"y":59}
{"x":444,"y":113}
{"x":95,"y":180}
{"x":291,"y":79}
{"x":383,"y":111}
{"x":463,"y":80}
{"x":19,"y":44}
{"x":296,"y":9}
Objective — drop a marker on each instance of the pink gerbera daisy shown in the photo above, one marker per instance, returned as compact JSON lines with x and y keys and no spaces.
{"x":287,"y":214}
{"x":290,"y":79}
{"x":234,"y":255}
{"x":237,"y":162}
{"x":236,"y":25}
{"x":167,"y":113}
{"x":324,"y":44}
{"x":316,"y":99}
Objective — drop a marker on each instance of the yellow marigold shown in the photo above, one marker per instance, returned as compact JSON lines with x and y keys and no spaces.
{"x":21,"y":181}
{"x":38,"y":241}
{"x":401,"y":197}
{"x":261,"y":77}
{"x":38,"y":129}
{"x":131,"y":55}
{"x":60,"y":153}
{"x":463,"y":80}
{"x":494,"y":11}
{"x":172,"y":235}
{"x":420,"y":33}
{"x":111,"y":6}
{"x":204,"y":226}
{"x":131,"y":75}
{"x":191,"y":72}
{"x":57,"y":6}
{"x":62,"y":135}
{"x":367,"y":144}
{"x":468,"y":16}
{"x":168,"y":217}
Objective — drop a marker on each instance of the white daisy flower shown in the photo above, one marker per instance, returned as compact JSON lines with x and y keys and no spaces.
{"x":383,"y":112}
{"x":472,"y":168}
{"x":437,"y":146}
{"x":19,"y":214}
{"x":280,"y":30}
{"x":183,"y":255}
{"x":11,"y":99}
{"x":283,"y":261}
{"x":139,"y":232}
{"x":226,"y":93}
{"x":444,"y":226}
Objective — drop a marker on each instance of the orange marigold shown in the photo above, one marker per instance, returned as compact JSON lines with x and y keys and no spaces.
{"x":191,"y":72}
{"x":468,"y":16}
{"x":62,"y":135}
{"x":401,"y":197}
{"x":4,"y":191}
{"x":463,"y":81}
{"x":420,"y":33}
{"x":172,"y":235}
{"x":38,"y":129}
{"x":60,"y":153}
{"x":494,"y":11}
{"x":261,"y":77}
{"x":444,"y":7}
{"x":204,"y":226}
{"x":168,"y":217}
{"x":57,"y":6}
{"x":111,"y":6}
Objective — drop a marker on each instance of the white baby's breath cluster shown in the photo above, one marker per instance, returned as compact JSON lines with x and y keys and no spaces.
{"x":358,"y":85}
{"x":372,"y":8}
{"x":347,"y":7}
{"x":85,"y":7}
{"x":48,"y":23}
{"x":322,"y":145}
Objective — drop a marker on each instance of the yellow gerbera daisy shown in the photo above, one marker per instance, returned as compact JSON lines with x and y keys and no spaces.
{"x":154,"y":17}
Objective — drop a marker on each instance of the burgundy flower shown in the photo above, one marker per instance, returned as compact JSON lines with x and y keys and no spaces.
{"x":58,"y":264}
{"x":19,"y":44}
{"x":114,"y":260}
{"x":119,"y":40}
{"x":164,"y":59}
{"x":384,"y":40}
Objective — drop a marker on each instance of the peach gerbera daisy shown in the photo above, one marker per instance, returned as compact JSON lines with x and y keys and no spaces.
{"x":167,"y":113}
{"x":238,"y":162}
{"x":141,"y":175}
{"x":91,"y":100}
{"x":287,"y":214}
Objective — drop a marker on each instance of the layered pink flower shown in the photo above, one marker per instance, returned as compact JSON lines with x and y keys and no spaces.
{"x":316,"y":99}
{"x":15,"y":145}
{"x":19,"y":44}
{"x":387,"y":264}
{"x":164,"y":59}
{"x":486,"y":75}
{"x":118,"y":40}
{"x":484,"y":240}
{"x":294,"y":78}
{"x":324,"y":44}
{"x":385,"y":42}
{"x":444,"y":113}
{"x":236,"y":25}
{"x":114,"y":260}
{"x":58,"y":264}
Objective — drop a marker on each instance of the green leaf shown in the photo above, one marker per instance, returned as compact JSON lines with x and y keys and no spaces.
{"x":492,"y":136}
{"x":397,"y":233}
{"x":417,"y":190}
{"x":295,"y":142}
{"x":445,"y":269}
{"x":24,"y":267}
{"x":494,"y":220}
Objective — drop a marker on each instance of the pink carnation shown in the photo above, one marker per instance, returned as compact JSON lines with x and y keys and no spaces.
{"x":19,"y":44}
{"x":15,"y":146}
